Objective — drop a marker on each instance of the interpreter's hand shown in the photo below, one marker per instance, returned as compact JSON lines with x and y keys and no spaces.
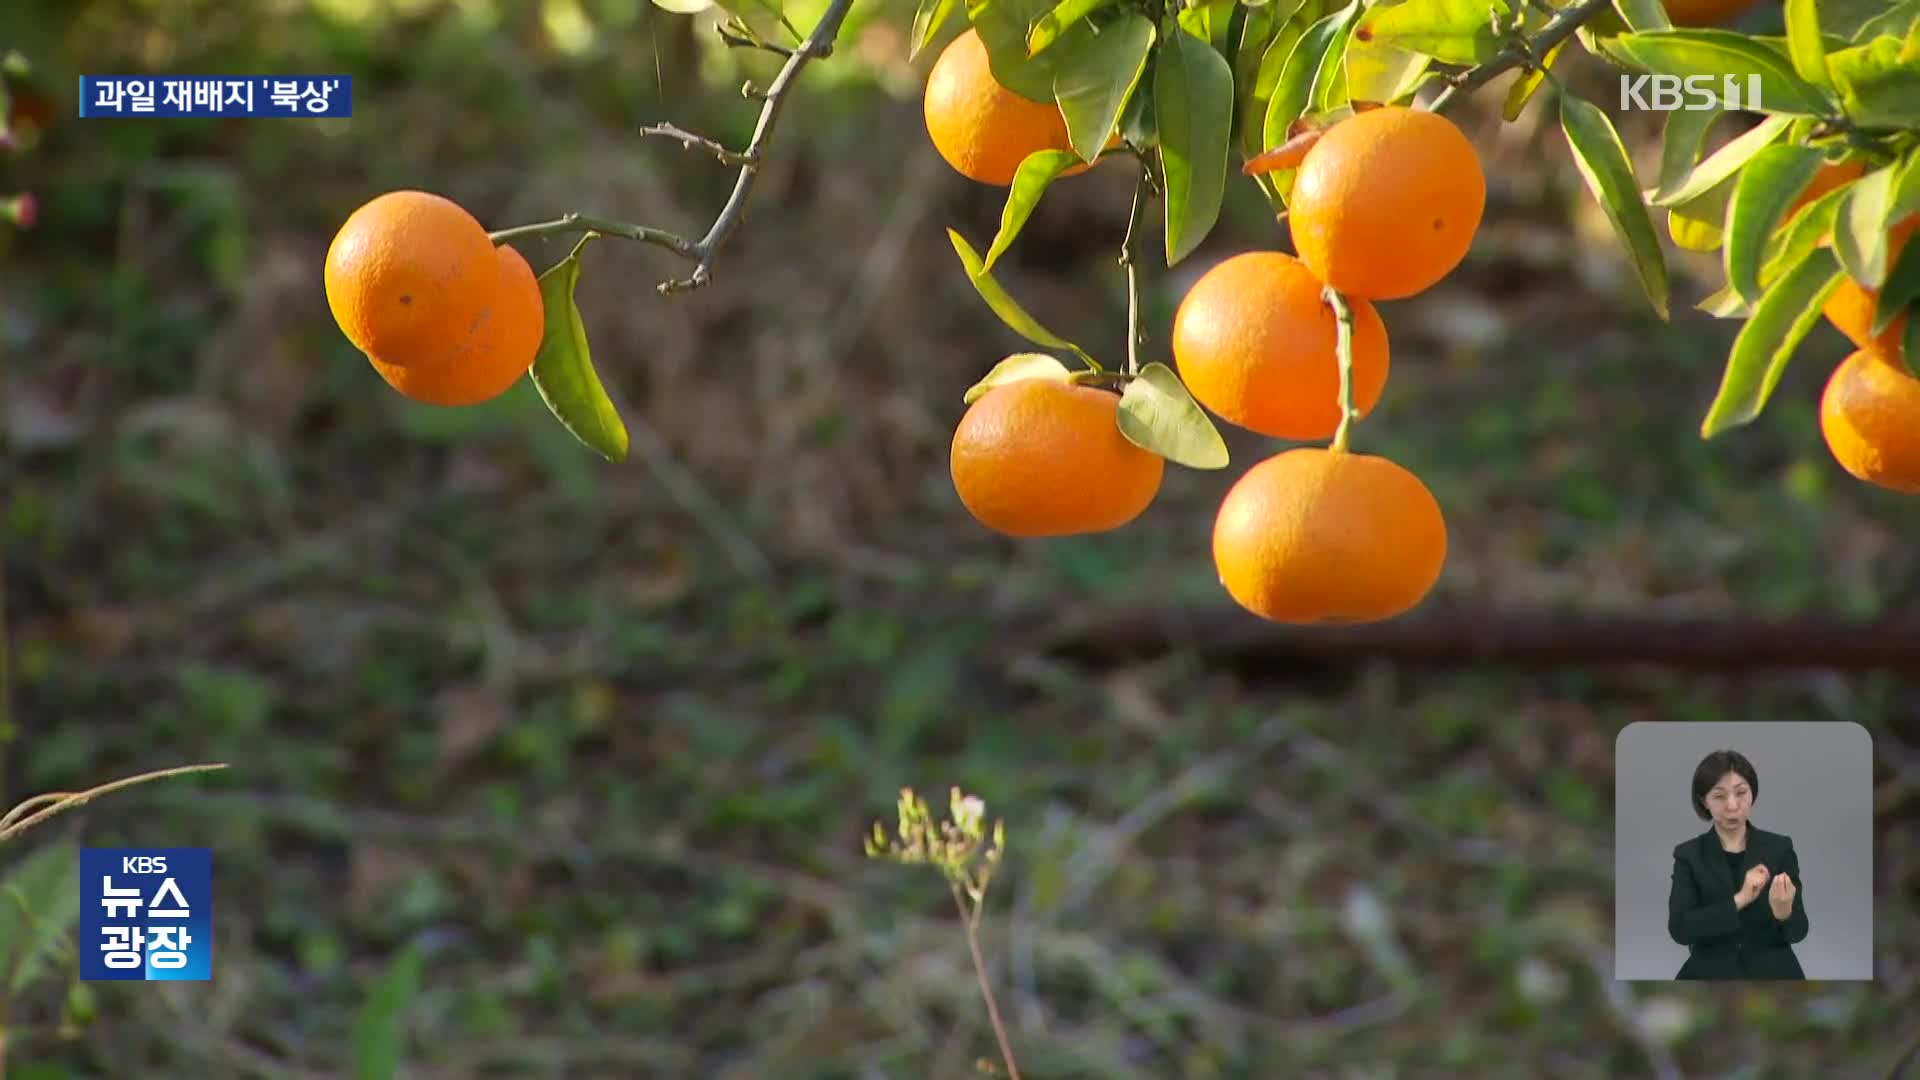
{"x":1751,"y":887}
{"x":1780,"y":896}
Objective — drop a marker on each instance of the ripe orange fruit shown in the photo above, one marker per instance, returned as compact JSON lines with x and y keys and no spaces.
{"x":1704,"y":12}
{"x":486,"y":361}
{"x":1254,"y":342}
{"x":1387,"y":202}
{"x":980,"y":127}
{"x":1870,"y":417}
{"x":1319,"y":535}
{"x":1039,"y":457}
{"x":408,"y":274}
{"x":1850,"y":307}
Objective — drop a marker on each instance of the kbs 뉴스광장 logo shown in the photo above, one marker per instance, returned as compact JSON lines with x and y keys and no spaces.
{"x":146,"y":914}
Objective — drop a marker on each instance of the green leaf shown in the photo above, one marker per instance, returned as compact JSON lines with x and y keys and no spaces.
{"x":1450,"y":31}
{"x":1529,"y":83}
{"x":1680,"y":146}
{"x":1003,"y":26}
{"x":1137,"y":123}
{"x":1205,"y":19}
{"x":1725,"y":304}
{"x":1781,"y":319}
{"x":1380,"y":72}
{"x":1906,"y":188}
{"x":1642,"y":14}
{"x":1804,"y":231}
{"x":1724,"y":162}
{"x":379,"y":1035}
{"x":1602,"y":28}
{"x":760,"y":17}
{"x":1031,"y":365}
{"x":1003,"y":305}
{"x":1312,"y":53}
{"x":1329,"y":81}
{"x":1030,"y":181}
{"x":1095,"y":75}
{"x":1878,"y":83}
{"x":1055,"y":22}
{"x":1699,"y":225}
{"x":39,"y":907}
{"x":1157,"y":414}
{"x":928,"y":19}
{"x":1273,"y":60}
{"x":1256,"y":33}
{"x":1860,"y":227}
{"x":1804,"y":45}
{"x":563,"y":369}
{"x":1718,"y":55}
{"x":1863,"y":21}
{"x":1901,"y":290}
{"x":1608,"y":170}
{"x":1193,"y":104}
{"x":1910,"y":344}
{"x":1766,"y":187}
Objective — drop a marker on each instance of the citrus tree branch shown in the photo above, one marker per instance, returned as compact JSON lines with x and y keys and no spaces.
{"x":64,"y":801}
{"x":1343,"y":351}
{"x":1129,"y":258}
{"x":704,"y":251}
{"x":1522,"y":52}
{"x":571,"y":223}
{"x":817,"y":46}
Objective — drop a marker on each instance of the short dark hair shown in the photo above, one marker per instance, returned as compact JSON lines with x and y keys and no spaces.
{"x":1712,"y":768}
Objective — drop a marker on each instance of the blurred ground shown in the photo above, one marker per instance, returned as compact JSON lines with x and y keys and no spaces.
{"x":601,"y":741}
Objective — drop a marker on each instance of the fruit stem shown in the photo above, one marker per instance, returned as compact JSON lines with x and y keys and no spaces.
{"x":1521,"y":51}
{"x":1129,"y":258}
{"x":1343,"y":351}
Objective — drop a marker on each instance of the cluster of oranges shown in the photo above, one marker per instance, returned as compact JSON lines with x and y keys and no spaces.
{"x":1384,"y":205}
{"x":445,"y":316}
{"x":1869,"y":409}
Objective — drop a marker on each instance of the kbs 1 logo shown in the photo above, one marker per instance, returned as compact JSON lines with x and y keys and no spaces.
{"x":1673,"y":93}
{"x":146,"y":914}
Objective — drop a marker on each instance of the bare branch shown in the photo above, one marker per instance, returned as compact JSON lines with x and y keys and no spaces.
{"x":569,"y":223}
{"x":740,"y":41}
{"x":1129,"y":258}
{"x":701,"y":142}
{"x":818,"y":44}
{"x":69,"y":802}
{"x":702,"y":252}
{"x":1523,"y":52}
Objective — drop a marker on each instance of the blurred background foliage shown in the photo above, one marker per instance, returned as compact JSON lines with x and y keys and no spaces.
{"x":543,"y":766}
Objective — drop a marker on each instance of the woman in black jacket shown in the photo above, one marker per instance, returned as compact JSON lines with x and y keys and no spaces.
{"x":1736,"y":900}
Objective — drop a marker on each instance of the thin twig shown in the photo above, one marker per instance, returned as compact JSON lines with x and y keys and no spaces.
{"x":28,"y":804}
{"x":574,"y":222}
{"x":971,"y":920}
{"x":1521,"y":51}
{"x":703,"y":252}
{"x":1129,"y":259}
{"x":1343,"y":351}
{"x":818,"y":45}
{"x":701,"y":142}
{"x":741,"y":41}
{"x":80,"y":799}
